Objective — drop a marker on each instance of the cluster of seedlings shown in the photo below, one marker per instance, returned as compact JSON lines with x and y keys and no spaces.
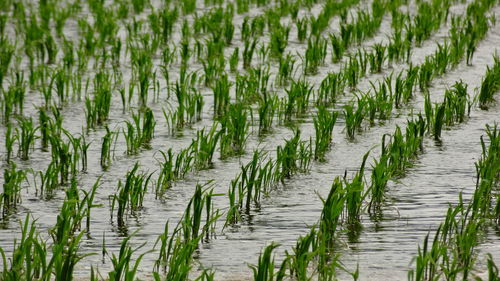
{"x":177,"y":64}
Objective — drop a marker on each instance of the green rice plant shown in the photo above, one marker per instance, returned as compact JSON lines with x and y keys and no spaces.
{"x":49,"y":181}
{"x":264,"y":270}
{"x":188,"y":6}
{"x":298,"y":98}
{"x":457,"y":104}
{"x":6,"y":55}
{"x":124,"y":269}
{"x":286,"y":67}
{"x":248,"y":52}
{"x":10,"y":139}
{"x":221,"y":96}
{"x":330,"y":88}
{"x":323,"y":127}
{"x":234,"y":60}
{"x":315,"y":55}
{"x":293,"y":157}
{"x":26,"y":136}
{"x":192,"y":218}
{"x":97,"y":109}
{"x":190,"y":105}
{"x":354,"y":196}
{"x":303,"y":255}
{"x":354,"y":117}
{"x":267,"y":109}
{"x":29,"y":255}
{"x":331,"y":214}
{"x":376,"y":58}
{"x":11,"y":194}
{"x":235,"y":128}
{"x":130,"y":195}
{"x":338,"y":47}
{"x":172,"y":169}
{"x":140,"y":131}
{"x":45,"y":124}
{"x":108,"y":148}
{"x":490,"y":84}
{"x":301,"y":25}
{"x":279,"y":40}
{"x":203,"y":147}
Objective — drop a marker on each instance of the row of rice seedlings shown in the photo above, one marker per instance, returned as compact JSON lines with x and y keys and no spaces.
{"x":259,"y":175}
{"x":129,"y":196}
{"x":313,"y":254}
{"x":30,"y":258}
{"x":381,"y":103}
{"x":365,"y":26}
{"x":452,"y":252}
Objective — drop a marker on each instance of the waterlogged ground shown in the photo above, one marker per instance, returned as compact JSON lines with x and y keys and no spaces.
{"x":383,"y":248}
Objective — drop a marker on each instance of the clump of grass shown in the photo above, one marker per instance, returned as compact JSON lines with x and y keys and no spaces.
{"x":123,"y":267}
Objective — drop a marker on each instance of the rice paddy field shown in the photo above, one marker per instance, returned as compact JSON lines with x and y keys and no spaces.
{"x":249,"y":140}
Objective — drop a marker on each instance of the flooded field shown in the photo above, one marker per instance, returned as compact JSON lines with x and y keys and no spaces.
{"x":249,"y":140}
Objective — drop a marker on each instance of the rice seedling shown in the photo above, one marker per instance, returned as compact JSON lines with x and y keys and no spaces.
{"x":203,"y":148}
{"x":234,"y":60}
{"x":264,"y":270}
{"x":354,"y":196}
{"x":123,"y":266}
{"x":6,"y":56}
{"x":107,"y":151}
{"x":303,"y":255}
{"x":248,"y":52}
{"x":10,"y":139}
{"x":26,"y":136}
{"x":172,"y":169}
{"x":221,"y":96}
{"x":140,"y":131}
{"x":490,"y":84}
{"x":235,"y":131}
{"x":286,"y":67}
{"x":297,"y":98}
{"x":279,"y":40}
{"x":11,"y":194}
{"x":294,"y":157}
{"x":354,"y":117}
{"x":315,"y":55}
{"x":29,"y":256}
{"x":323,"y":126}
{"x":267,"y":109}
{"x":330,"y":88}
{"x":130,"y":195}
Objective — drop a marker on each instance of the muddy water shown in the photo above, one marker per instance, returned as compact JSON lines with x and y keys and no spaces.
{"x":383,"y":249}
